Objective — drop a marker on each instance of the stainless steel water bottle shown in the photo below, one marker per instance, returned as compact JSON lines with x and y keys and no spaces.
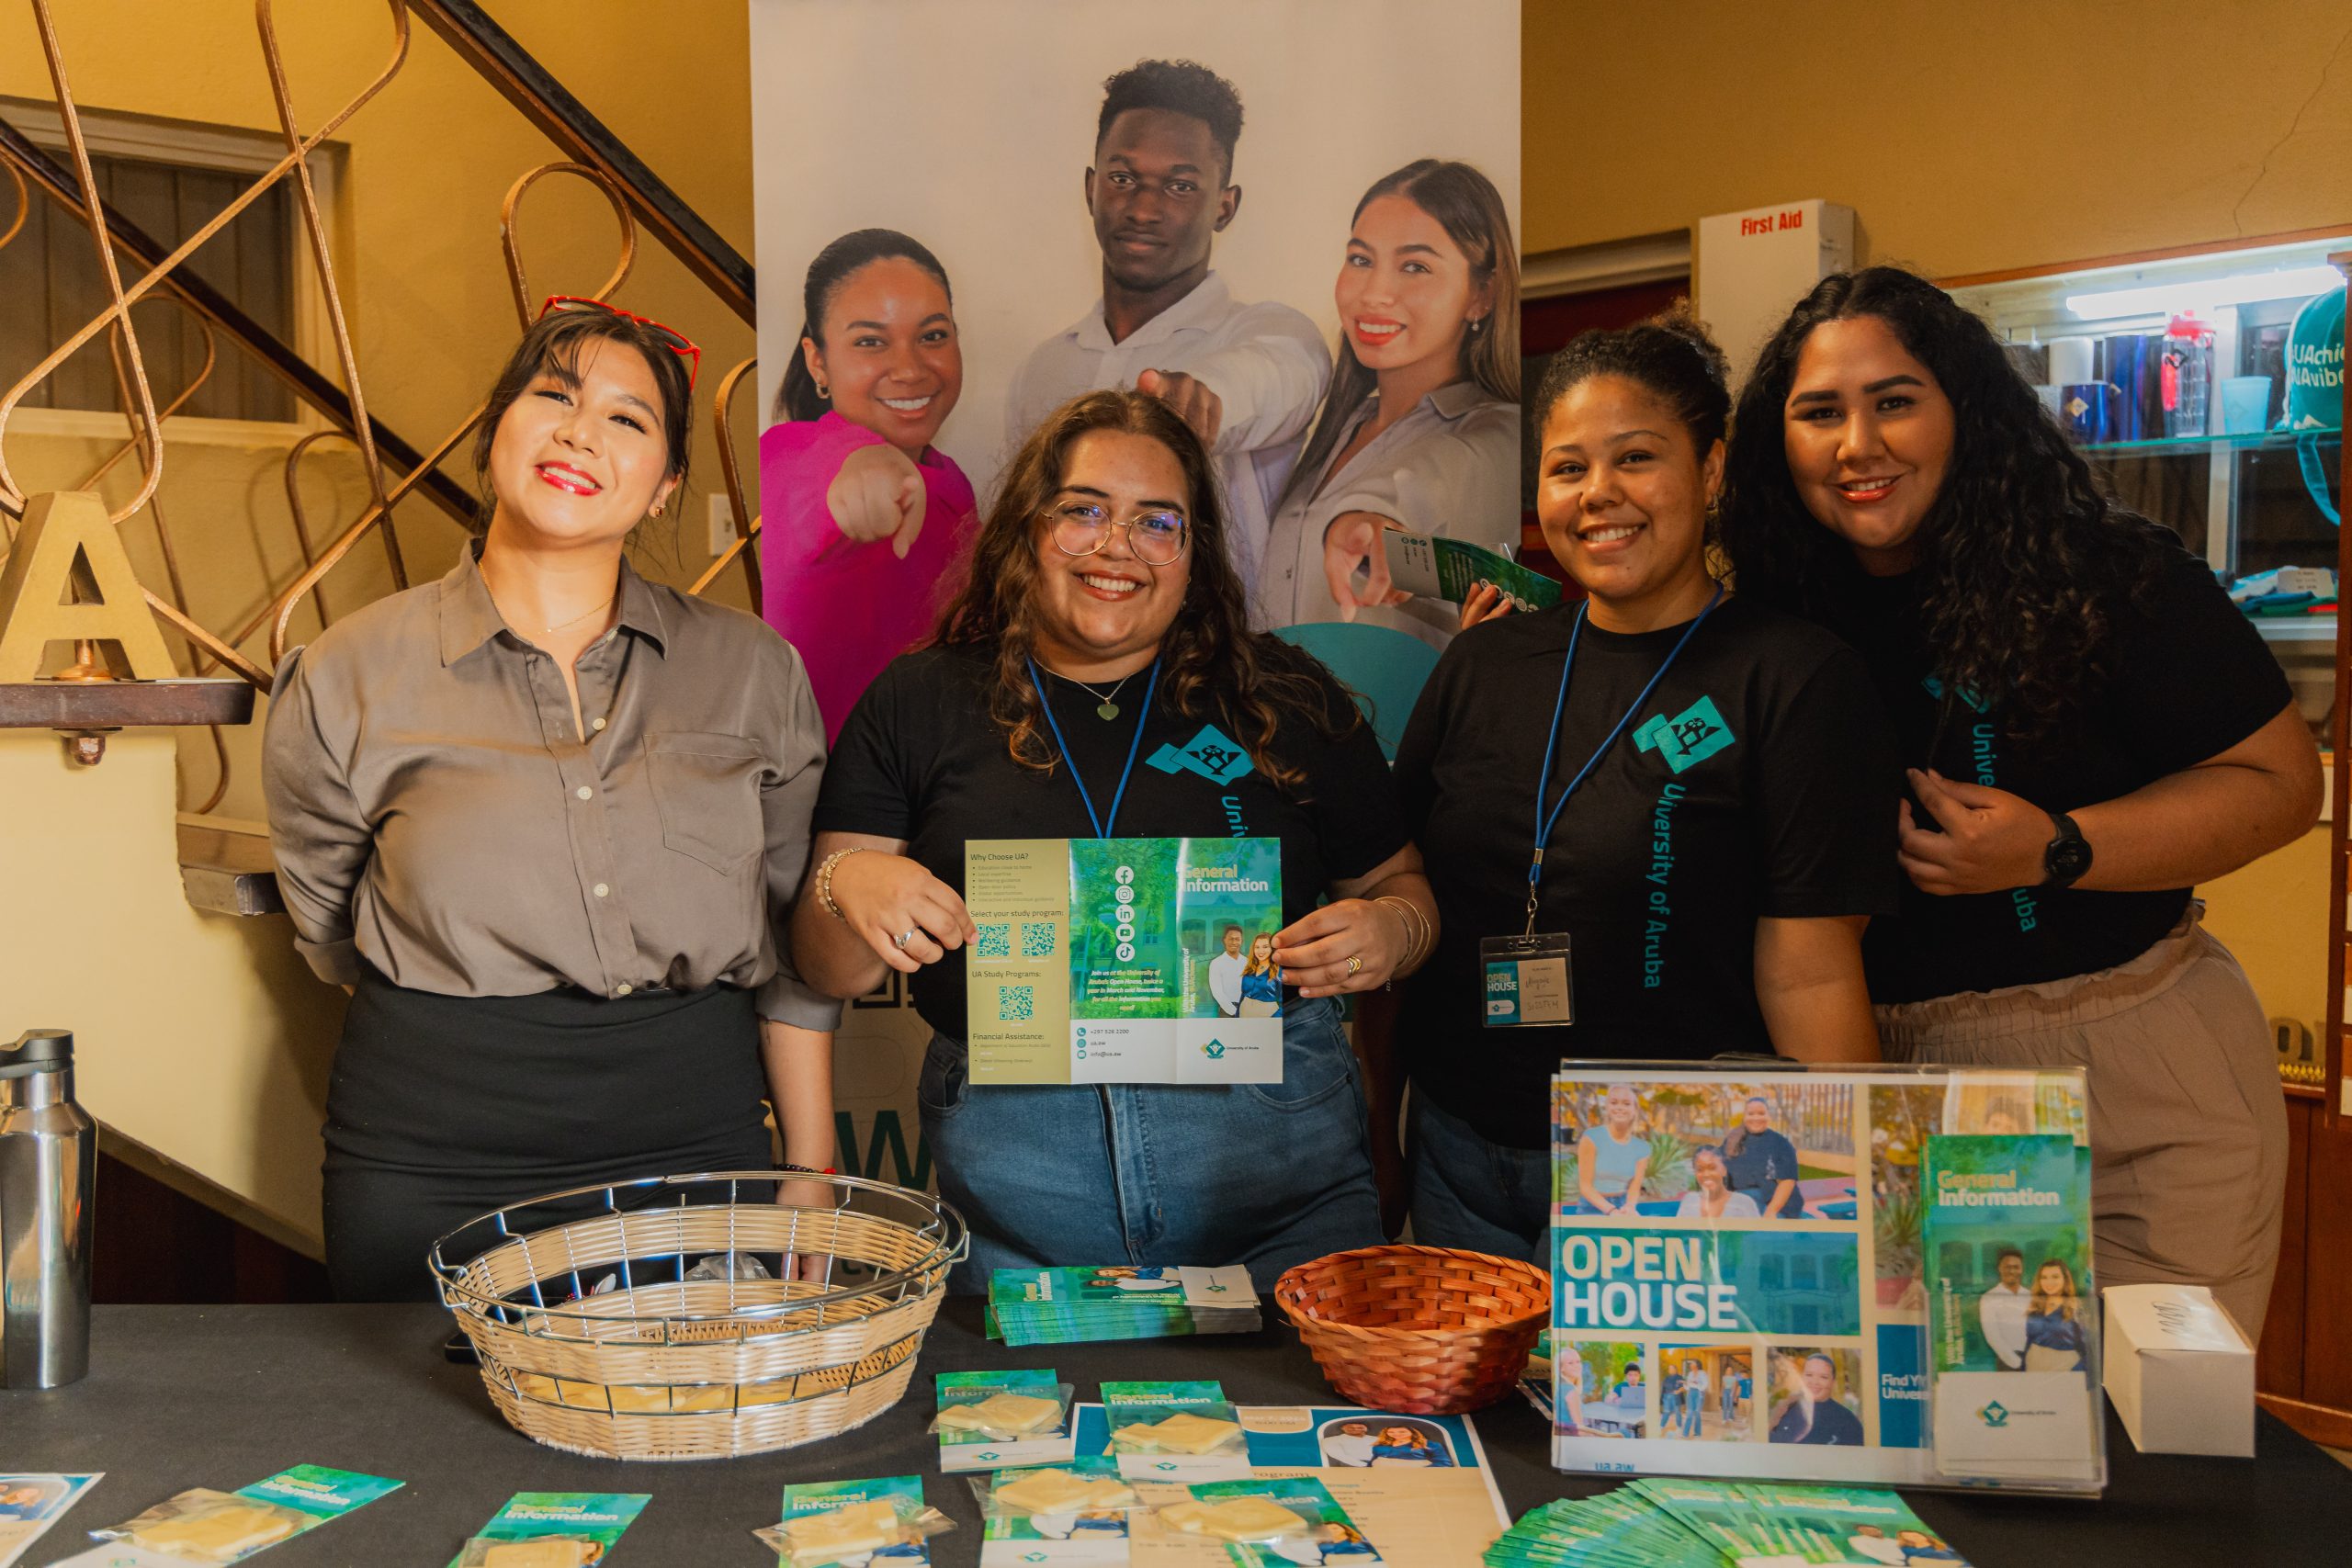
{"x":48,"y":1178}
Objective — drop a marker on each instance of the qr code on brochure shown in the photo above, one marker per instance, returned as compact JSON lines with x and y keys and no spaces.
{"x":1015,"y":1004}
{"x":996,"y":939}
{"x":1039,"y":939}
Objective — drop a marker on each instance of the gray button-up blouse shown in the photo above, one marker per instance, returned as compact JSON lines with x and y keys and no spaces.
{"x":434,"y":812}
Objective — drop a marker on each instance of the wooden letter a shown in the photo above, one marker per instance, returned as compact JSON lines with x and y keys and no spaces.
{"x":61,"y":531}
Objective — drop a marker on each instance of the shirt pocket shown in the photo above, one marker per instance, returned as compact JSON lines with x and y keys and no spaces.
{"x":706,"y":788}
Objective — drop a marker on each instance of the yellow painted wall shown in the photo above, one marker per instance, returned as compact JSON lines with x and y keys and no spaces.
{"x":200,"y":1037}
{"x":1969,"y":137}
{"x":2273,"y":915}
{"x":204,"y":1036}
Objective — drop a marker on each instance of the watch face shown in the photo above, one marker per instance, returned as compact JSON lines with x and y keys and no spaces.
{"x":2067,"y":859}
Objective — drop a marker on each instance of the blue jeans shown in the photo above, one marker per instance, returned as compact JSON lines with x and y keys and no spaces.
{"x":1267,"y":1175}
{"x":1478,"y":1196}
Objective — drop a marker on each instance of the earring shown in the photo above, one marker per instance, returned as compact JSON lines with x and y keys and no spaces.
{"x":657,"y":509}
{"x":824,"y":391}
{"x":1477,"y":326}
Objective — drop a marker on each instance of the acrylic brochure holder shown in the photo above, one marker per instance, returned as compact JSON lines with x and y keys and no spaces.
{"x":1851,"y":1275}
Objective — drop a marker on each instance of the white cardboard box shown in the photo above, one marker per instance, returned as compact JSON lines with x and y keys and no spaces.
{"x":2179,"y":1370}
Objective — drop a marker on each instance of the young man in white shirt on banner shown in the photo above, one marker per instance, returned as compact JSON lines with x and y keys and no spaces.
{"x":2001,"y":1311}
{"x":1246,"y":378}
{"x":1225,"y":973}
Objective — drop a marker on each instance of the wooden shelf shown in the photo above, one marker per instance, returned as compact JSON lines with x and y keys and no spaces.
{"x":118,"y":704}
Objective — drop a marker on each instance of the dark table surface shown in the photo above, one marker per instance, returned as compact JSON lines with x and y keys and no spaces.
{"x":222,"y":1396}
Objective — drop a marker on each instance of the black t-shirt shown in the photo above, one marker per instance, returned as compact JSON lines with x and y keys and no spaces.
{"x":921,"y":760}
{"x":2192,"y":678}
{"x":1759,"y":779}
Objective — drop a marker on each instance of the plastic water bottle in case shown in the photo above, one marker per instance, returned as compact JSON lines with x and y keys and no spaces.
{"x":2187,"y":376}
{"x":47,"y":1179}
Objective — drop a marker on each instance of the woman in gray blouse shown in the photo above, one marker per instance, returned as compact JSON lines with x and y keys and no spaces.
{"x":546,"y":820}
{"x":1420,"y":429}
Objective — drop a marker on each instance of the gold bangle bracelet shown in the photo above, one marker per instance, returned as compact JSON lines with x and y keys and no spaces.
{"x":1417,"y":934}
{"x":825,"y":880}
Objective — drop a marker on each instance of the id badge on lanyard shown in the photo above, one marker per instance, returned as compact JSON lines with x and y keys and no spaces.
{"x":1527,"y":979}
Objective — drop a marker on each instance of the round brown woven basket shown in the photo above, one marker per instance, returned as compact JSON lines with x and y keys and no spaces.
{"x":1418,"y":1330}
{"x":595,"y":1338}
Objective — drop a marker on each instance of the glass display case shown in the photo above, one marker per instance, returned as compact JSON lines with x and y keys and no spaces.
{"x":2174,"y":372}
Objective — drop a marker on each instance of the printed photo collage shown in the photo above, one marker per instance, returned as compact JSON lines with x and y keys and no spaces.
{"x":1740,"y":1262}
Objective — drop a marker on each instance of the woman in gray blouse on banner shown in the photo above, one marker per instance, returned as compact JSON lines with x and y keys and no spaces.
{"x":1421,"y":431}
{"x":545,"y":821}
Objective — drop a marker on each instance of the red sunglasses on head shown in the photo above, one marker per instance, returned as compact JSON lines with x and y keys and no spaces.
{"x":679,"y":342}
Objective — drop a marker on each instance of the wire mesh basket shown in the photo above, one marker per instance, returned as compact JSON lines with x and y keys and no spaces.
{"x":700,"y":1316}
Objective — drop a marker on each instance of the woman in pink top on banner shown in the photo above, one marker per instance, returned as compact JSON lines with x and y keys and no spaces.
{"x":863,"y":518}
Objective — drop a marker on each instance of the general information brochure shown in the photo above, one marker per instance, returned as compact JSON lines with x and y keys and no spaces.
{"x":1124,"y":961}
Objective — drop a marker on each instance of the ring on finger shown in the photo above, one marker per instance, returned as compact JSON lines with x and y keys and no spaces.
{"x":904,"y":937}
{"x":1354,"y":963}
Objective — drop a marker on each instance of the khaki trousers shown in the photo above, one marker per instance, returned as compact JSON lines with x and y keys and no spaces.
{"x":2187,"y":1125}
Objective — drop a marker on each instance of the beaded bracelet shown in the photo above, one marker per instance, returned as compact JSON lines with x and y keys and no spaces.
{"x":825,"y":879}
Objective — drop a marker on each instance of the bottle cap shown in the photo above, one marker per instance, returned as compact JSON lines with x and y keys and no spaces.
{"x":37,"y":1051}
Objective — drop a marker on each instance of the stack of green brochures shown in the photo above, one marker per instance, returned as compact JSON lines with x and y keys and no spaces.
{"x":1724,"y":1524}
{"x":1055,"y":1307}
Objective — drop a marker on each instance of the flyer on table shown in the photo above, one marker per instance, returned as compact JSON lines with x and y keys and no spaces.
{"x":1123,"y":960}
{"x":1743,"y":1270}
{"x":31,"y":1504}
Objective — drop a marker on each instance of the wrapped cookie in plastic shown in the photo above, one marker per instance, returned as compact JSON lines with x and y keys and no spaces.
{"x":204,"y":1526}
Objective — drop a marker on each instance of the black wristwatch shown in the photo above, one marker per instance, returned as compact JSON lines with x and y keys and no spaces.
{"x":2067,"y":855}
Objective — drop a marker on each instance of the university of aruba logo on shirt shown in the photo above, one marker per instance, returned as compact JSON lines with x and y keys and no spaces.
{"x":1210,"y":754}
{"x":1690,"y":738}
{"x":1936,"y":690}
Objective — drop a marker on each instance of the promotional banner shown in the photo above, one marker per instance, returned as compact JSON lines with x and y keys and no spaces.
{"x":953,"y":240}
{"x":1749,"y":1275}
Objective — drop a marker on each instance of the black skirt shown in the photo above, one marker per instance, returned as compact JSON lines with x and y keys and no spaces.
{"x":443,"y":1108}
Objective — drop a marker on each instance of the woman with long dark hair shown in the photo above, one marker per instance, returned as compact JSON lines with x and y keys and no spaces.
{"x":2090,"y":729}
{"x":1096,"y":677}
{"x":1420,"y":428}
{"x":545,"y":821}
{"x":862,"y":517}
{"x":1693,"y":830}
{"x":1261,"y":979}
{"x":2053,"y":1325}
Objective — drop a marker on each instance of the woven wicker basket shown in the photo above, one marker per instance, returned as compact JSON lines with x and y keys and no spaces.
{"x":1418,"y":1330}
{"x":592,"y":1339}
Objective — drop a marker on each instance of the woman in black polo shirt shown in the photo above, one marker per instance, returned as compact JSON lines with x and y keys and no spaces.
{"x":2090,"y":729}
{"x":1717,"y":796}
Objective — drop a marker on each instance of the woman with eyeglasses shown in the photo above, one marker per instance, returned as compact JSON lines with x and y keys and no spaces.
{"x":862,"y":517}
{"x":1420,"y":429}
{"x":545,"y":820}
{"x":1096,"y":678}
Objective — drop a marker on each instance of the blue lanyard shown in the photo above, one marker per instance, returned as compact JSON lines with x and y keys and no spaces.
{"x":1544,"y":821}
{"x":1102,"y":825}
